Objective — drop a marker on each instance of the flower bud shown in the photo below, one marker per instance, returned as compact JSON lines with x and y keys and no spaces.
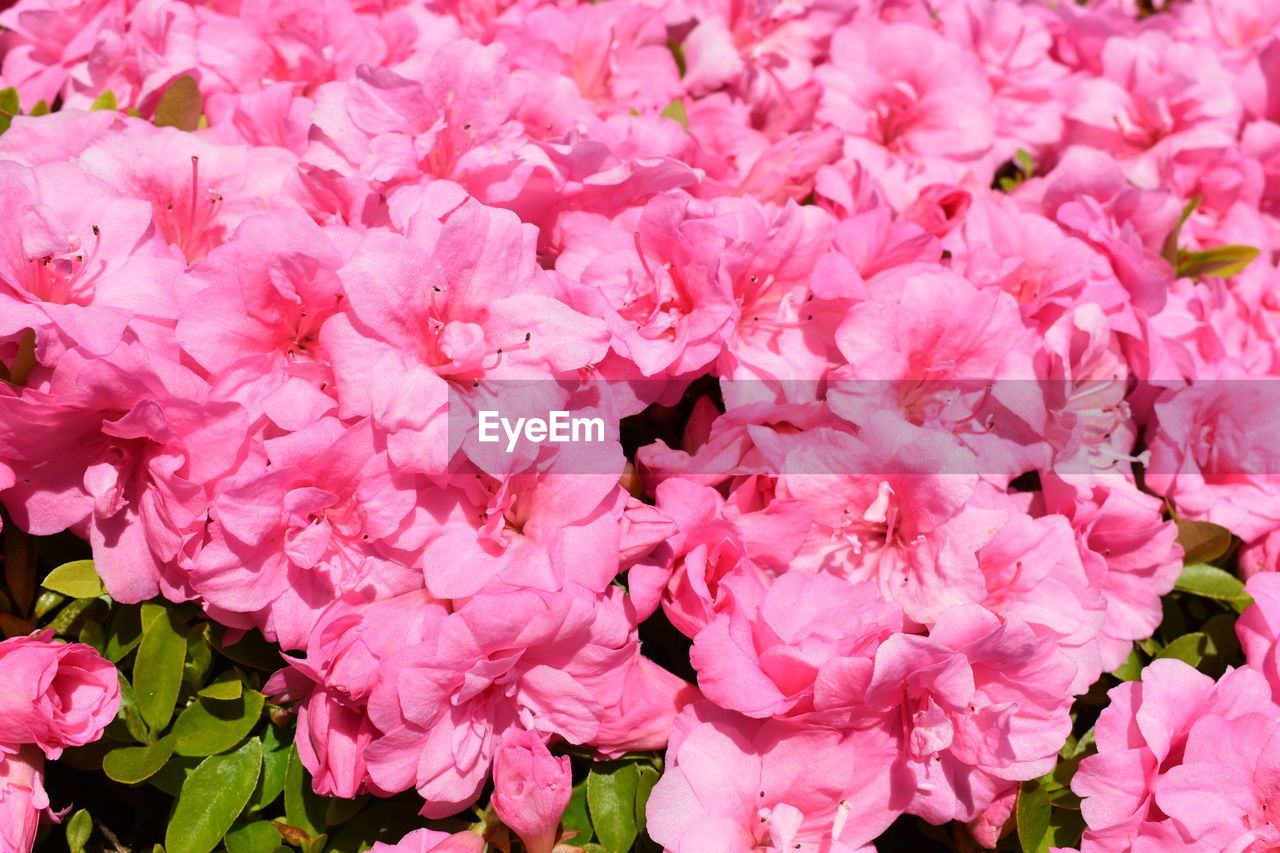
{"x":531,"y":789}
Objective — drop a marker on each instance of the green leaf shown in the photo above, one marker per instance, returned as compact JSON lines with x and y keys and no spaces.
{"x":8,"y":107}
{"x":1131,"y":669}
{"x":1170,"y":250}
{"x":1220,"y":261}
{"x":212,"y":798}
{"x":181,"y":105}
{"x":675,"y":110}
{"x":1189,"y":648}
{"x":225,"y":686}
{"x":40,"y":109}
{"x":46,"y":602}
{"x":76,"y":580}
{"x":173,"y":775}
{"x":124,"y":632}
{"x":65,"y":623}
{"x":79,"y":828}
{"x":157,"y":673}
{"x":576,"y":817}
{"x":210,"y":726}
{"x":261,"y":836}
{"x":133,"y":764}
{"x":648,"y":777}
{"x":302,"y":808}
{"x":611,"y":797}
{"x":275,"y":762}
{"x":1202,"y":541}
{"x":129,"y":712}
{"x":1034,"y":813}
{"x":105,"y":101}
{"x":199,"y":655}
{"x":1212,"y":582}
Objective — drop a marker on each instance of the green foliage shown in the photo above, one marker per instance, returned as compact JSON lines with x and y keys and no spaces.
{"x":213,"y":795}
{"x":76,"y":579}
{"x":1212,"y":582}
{"x":79,"y":828}
{"x":616,"y":795}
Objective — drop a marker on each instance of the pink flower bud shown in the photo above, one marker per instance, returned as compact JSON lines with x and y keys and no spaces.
{"x":531,"y":789}
{"x":22,"y":798}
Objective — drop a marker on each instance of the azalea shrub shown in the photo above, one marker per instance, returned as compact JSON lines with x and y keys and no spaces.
{"x":697,"y":426}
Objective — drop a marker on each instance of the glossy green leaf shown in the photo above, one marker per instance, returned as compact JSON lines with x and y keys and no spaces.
{"x":275,"y":763}
{"x":302,"y":808}
{"x":1189,"y":648}
{"x":1220,"y":261}
{"x":157,"y":673}
{"x":1034,"y":812}
{"x":576,"y":816}
{"x":133,"y":764}
{"x":1212,"y":582}
{"x":79,"y":828}
{"x":210,"y":726}
{"x":225,"y":686}
{"x":611,"y":799}
{"x":261,"y":836}
{"x":40,"y":109}
{"x":212,"y":798}
{"x":648,"y":777}
{"x":181,"y":105}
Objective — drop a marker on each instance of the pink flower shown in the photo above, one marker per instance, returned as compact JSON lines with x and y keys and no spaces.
{"x":974,"y":705}
{"x":773,"y":653}
{"x":329,"y":515}
{"x":253,"y":315}
{"x":914,"y":106}
{"x":23,"y":800}
{"x":1142,"y":735}
{"x":431,"y":841}
{"x":56,"y":695}
{"x":1259,"y":627}
{"x":520,"y":659}
{"x":736,"y":784}
{"x":128,"y":454}
{"x":531,"y":788}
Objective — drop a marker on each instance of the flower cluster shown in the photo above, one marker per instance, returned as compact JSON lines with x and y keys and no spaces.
{"x":56,"y":695}
{"x":930,"y":317}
